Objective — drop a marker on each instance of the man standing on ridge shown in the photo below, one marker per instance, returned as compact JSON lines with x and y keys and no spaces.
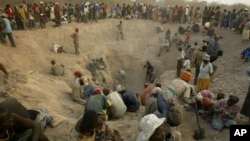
{"x":119,"y":26}
{"x":76,"y":41}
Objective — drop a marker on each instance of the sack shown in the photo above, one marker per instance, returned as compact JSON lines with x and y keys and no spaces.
{"x":105,"y":136}
{"x":175,"y":116}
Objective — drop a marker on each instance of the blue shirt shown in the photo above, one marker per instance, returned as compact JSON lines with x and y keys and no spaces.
{"x":130,"y":101}
{"x":7,"y":28}
{"x":162,"y":105}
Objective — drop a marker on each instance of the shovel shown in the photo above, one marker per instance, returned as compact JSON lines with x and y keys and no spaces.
{"x":200,"y":132}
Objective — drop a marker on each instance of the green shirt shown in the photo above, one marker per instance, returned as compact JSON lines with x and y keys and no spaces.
{"x":98,"y":103}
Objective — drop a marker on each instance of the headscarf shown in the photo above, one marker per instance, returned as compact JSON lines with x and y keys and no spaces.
{"x":234,"y":98}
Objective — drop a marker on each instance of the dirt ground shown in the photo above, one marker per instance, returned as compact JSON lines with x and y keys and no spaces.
{"x":36,"y":88}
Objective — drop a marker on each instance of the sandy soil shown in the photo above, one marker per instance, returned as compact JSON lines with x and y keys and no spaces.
{"x":37,"y":88}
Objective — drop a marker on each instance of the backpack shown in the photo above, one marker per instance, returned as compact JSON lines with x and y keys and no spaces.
{"x":2,"y":24}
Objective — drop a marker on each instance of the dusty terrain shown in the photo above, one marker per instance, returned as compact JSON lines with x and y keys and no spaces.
{"x":37,"y":88}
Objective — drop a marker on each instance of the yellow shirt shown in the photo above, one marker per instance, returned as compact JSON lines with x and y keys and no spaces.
{"x":21,"y":11}
{"x":75,"y":136}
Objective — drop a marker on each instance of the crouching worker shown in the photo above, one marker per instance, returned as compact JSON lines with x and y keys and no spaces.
{"x":205,"y":103}
{"x":90,"y":128}
{"x":17,"y":128}
{"x":118,"y":107}
{"x":157,"y":129}
{"x":57,"y":48}
{"x":77,"y":91}
{"x":245,"y":53}
{"x":99,"y":103}
{"x":84,"y":130}
{"x":179,"y":90}
{"x":225,"y":112}
{"x":129,"y":99}
{"x":57,"y":69}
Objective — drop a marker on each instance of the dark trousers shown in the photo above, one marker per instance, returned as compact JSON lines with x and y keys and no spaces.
{"x":179,"y":66}
{"x":197,"y":71}
{"x":2,"y":38}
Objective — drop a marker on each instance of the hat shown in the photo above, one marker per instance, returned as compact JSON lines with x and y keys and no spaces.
{"x":248,"y":71}
{"x":156,"y":90}
{"x":148,"y":125}
{"x":187,"y":5}
{"x":185,"y":75}
{"x":205,"y":93}
{"x":206,"y":57}
{"x":122,"y":72}
{"x":220,"y":96}
{"x":41,"y":2}
{"x":246,"y":9}
{"x":78,"y":73}
{"x":207,"y":102}
{"x":97,"y":90}
{"x":175,"y":116}
{"x":119,"y":88}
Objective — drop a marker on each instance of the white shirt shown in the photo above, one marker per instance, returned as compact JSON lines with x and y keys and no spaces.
{"x":55,"y":47}
{"x":205,"y":70}
{"x":144,"y":9}
{"x":117,"y":104}
{"x":186,"y":64}
{"x":186,"y":11}
{"x":181,"y":55}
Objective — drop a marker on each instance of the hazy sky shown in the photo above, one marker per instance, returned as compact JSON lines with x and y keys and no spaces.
{"x":247,"y":2}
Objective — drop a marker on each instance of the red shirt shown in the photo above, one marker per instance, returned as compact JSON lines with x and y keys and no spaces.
{"x":9,"y":12}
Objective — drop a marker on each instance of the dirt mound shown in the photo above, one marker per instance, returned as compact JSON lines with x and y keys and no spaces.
{"x":40,"y":89}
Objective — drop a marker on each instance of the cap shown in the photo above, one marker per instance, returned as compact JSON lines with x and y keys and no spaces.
{"x":119,"y":88}
{"x":97,"y":90}
{"x":78,"y":73}
{"x":156,"y":90}
{"x":206,"y":57}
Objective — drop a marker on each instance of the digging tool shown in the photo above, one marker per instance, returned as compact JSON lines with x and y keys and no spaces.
{"x":200,"y":132}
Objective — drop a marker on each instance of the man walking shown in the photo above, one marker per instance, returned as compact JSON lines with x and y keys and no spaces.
{"x":119,"y":26}
{"x":7,"y":30}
